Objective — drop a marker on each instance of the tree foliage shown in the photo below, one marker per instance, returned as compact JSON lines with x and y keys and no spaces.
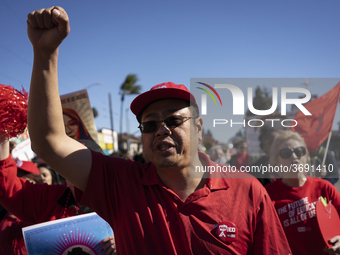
{"x":95,"y":112}
{"x":262,"y":100}
{"x":129,"y":86}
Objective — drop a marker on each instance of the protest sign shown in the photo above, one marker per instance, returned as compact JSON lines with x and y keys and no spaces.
{"x":74,"y":235}
{"x":78,"y":117}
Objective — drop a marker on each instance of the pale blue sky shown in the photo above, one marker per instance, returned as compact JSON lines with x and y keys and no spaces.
{"x":174,"y":41}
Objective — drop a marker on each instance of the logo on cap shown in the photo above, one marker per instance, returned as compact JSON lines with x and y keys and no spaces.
{"x":161,"y":87}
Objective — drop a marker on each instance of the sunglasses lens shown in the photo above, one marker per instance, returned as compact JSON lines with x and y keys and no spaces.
{"x":285,"y":153}
{"x":170,"y":122}
{"x":299,"y":152}
{"x":173,"y":121}
{"x":149,"y":126}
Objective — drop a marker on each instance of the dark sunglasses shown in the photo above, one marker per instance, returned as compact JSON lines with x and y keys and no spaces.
{"x":287,"y":153}
{"x":170,"y":122}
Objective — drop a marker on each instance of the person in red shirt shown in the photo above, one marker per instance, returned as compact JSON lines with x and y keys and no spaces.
{"x":241,"y":157}
{"x":169,"y":205}
{"x":31,"y":202}
{"x":11,"y":238}
{"x":295,"y":196}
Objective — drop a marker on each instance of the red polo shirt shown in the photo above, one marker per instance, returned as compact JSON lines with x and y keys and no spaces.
{"x":31,"y":203}
{"x":149,"y":218}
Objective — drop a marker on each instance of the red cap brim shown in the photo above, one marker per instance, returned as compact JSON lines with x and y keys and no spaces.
{"x":28,"y":166}
{"x":145,"y":99}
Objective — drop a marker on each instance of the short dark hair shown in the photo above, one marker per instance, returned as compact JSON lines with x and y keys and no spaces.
{"x":265,"y":133}
{"x":238,"y":143}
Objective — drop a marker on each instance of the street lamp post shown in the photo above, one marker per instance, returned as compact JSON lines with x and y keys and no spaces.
{"x":93,"y":84}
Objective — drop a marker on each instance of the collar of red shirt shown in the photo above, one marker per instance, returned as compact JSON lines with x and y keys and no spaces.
{"x":151,"y":178}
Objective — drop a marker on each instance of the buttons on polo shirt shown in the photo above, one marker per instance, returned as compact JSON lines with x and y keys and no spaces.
{"x":175,"y":197}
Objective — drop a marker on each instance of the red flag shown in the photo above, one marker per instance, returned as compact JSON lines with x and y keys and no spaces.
{"x":315,"y":128}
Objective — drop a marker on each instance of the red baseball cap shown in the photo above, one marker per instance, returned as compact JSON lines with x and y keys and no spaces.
{"x":161,"y":91}
{"x":28,"y":166}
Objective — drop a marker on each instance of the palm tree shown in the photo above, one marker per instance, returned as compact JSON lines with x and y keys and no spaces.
{"x":95,"y":112}
{"x":128,"y":87}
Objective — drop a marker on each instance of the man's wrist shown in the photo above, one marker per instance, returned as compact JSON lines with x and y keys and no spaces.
{"x":46,"y":54}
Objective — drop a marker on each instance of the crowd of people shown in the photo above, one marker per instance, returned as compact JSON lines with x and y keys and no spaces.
{"x":32,"y":193}
{"x":157,"y":203}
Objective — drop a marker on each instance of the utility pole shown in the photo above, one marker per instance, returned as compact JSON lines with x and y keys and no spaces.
{"x":111,"y":121}
{"x":127,"y":130}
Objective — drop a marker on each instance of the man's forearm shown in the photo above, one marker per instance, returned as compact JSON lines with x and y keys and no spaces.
{"x":44,"y":108}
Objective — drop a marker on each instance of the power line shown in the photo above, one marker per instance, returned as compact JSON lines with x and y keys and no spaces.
{"x":16,"y":55}
{"x":19,"y":18}
{"x":14,"y":79}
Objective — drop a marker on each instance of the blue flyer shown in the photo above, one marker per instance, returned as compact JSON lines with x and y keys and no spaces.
{"x":74,"y":235}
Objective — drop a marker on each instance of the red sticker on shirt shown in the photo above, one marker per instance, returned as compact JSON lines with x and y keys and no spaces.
{"x":226,"y":231}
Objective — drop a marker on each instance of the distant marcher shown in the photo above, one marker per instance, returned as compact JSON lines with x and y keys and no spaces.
{"x":24,"y":199}
{"x":295,"y":195}
{"x":241,"y":157}
{"x":48,"y":175}
{"x":217,"y":155}
{"x":328,"y":172}
{"x":11,"y":238}
{"x":31,"y":202}
{"x":266,"y":137}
